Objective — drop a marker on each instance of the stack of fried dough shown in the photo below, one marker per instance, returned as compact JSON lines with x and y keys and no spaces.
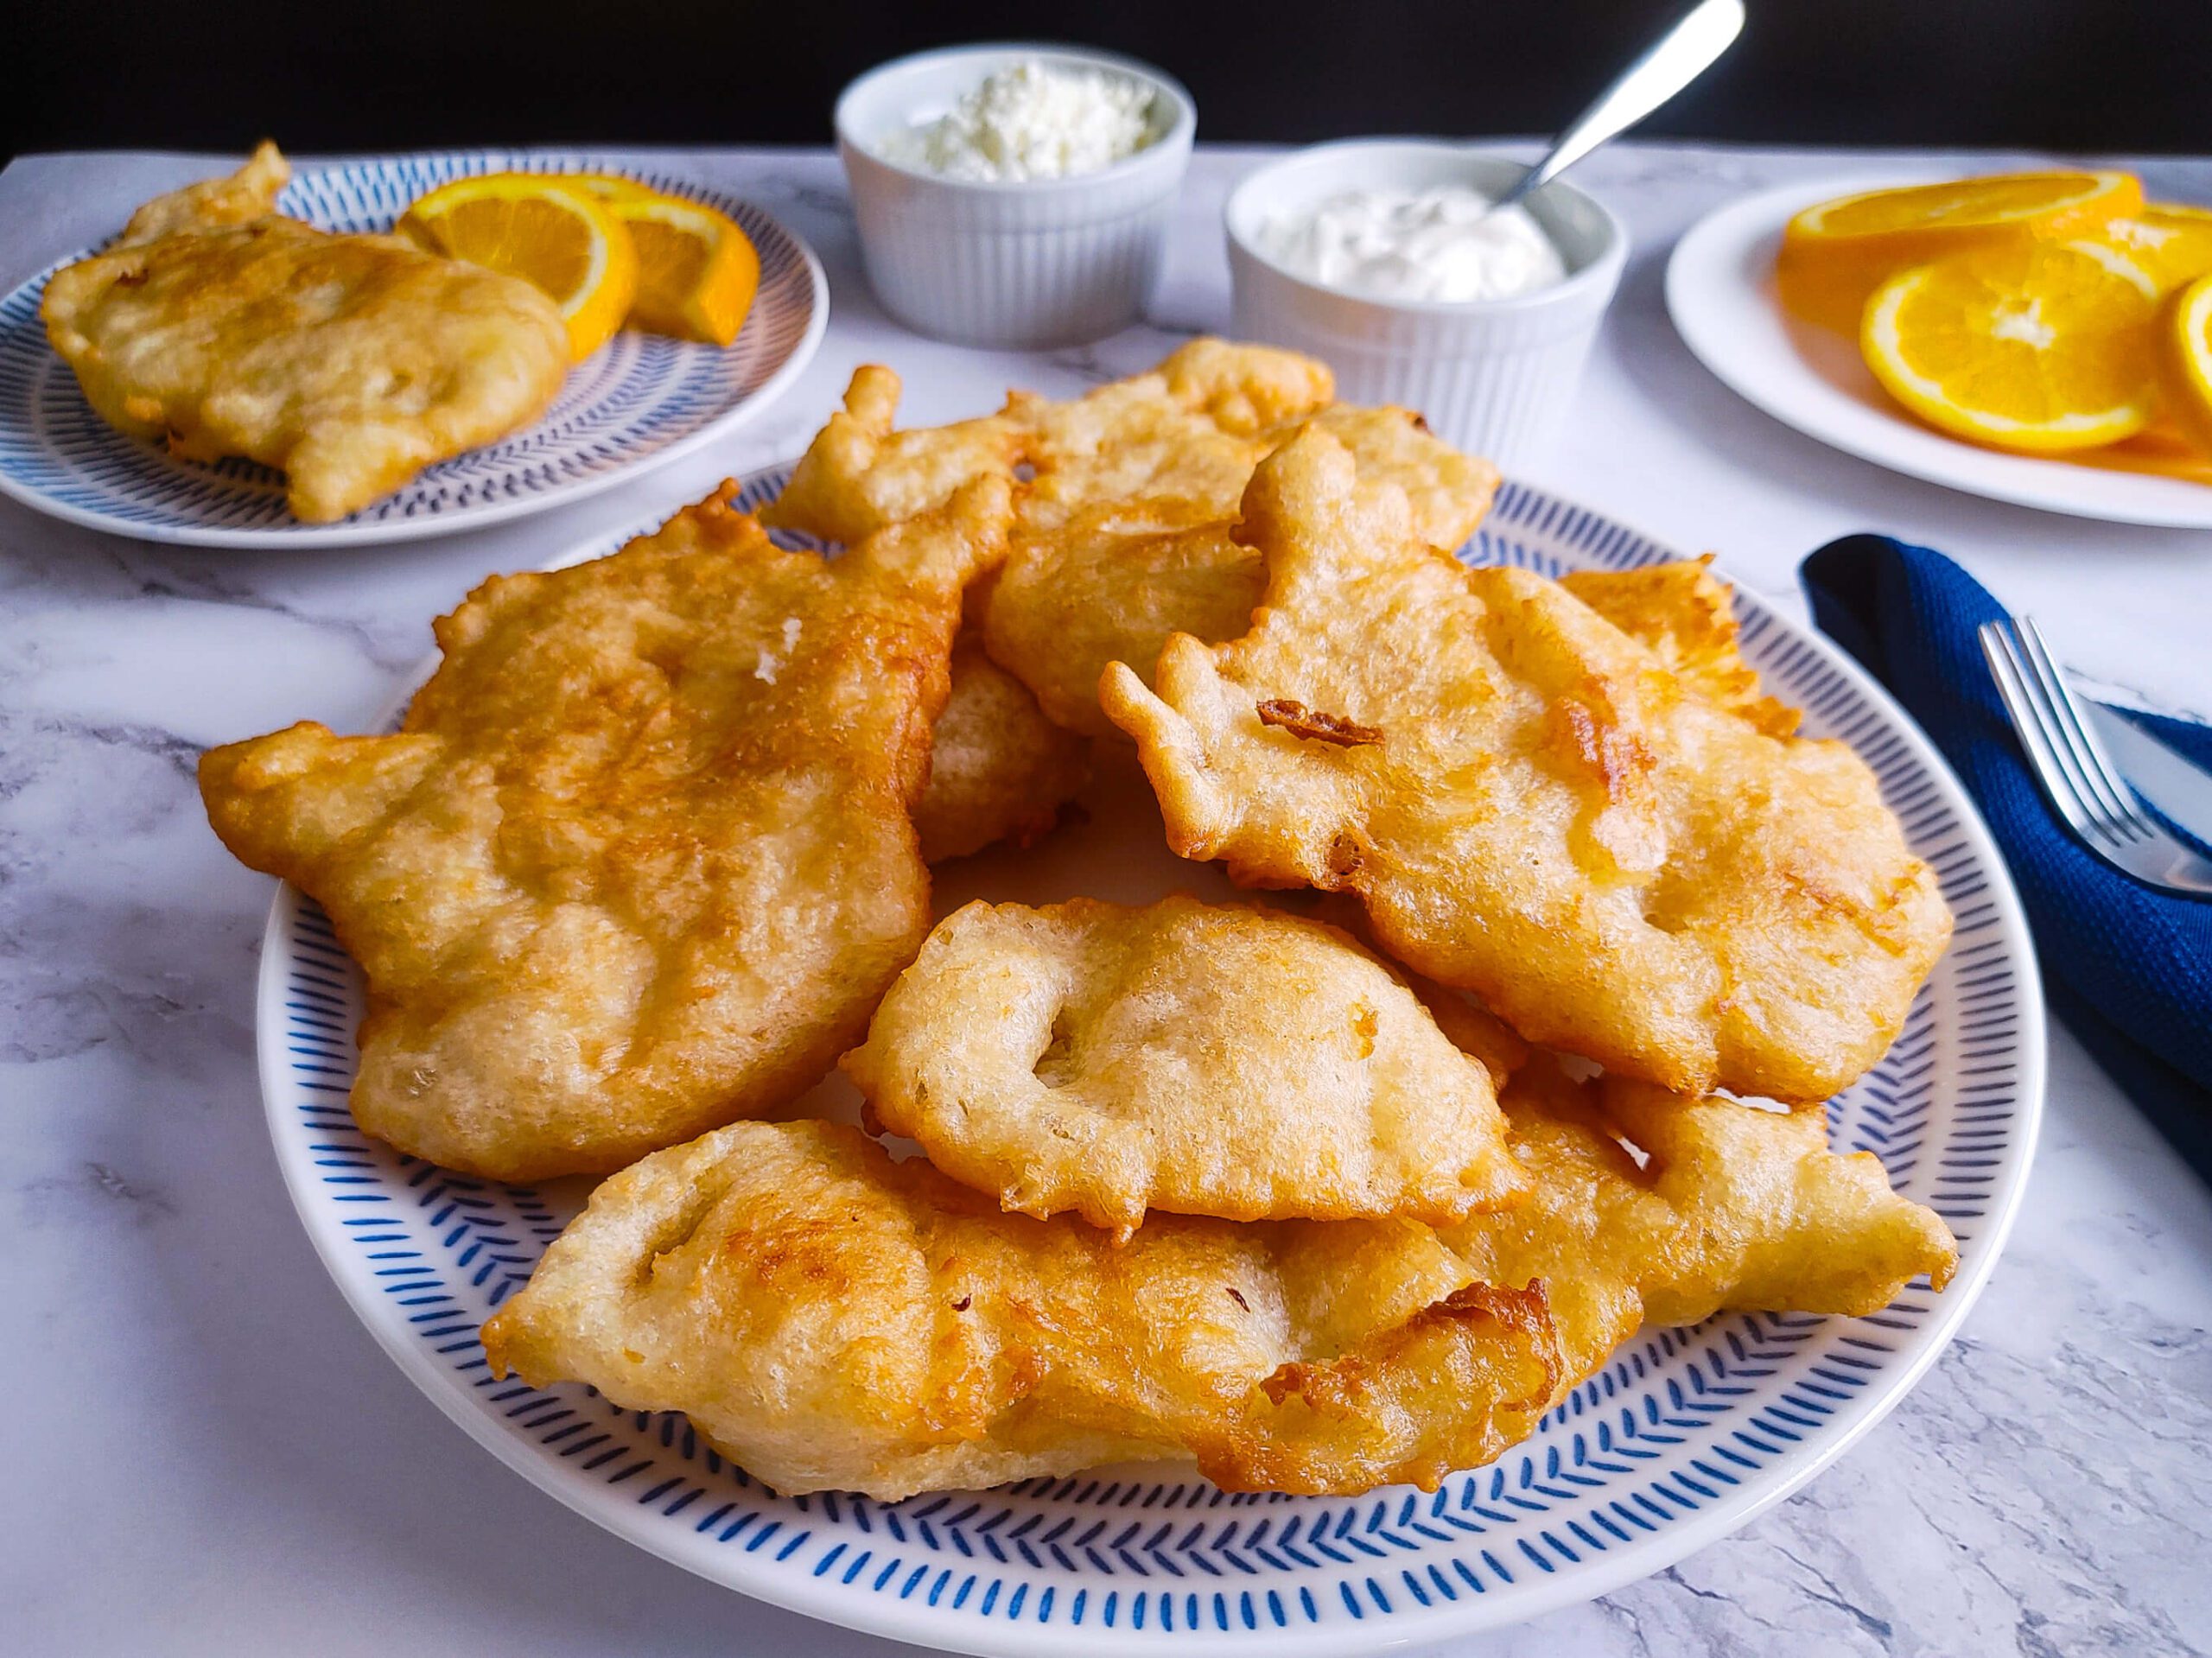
{"x":1344,"y":1188}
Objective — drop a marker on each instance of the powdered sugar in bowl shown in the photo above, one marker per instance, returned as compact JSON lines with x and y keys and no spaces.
{"x":1014,"y":196}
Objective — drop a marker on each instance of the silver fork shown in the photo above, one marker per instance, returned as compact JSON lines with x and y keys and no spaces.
{"x":2074,"y":770}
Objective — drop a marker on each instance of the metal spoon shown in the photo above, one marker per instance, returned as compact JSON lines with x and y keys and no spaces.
{"x":1667,"y":65}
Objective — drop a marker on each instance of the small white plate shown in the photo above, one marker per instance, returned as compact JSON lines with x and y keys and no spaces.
{"x":640,"y":402}
{"x":1682,"y":1437}
{"x":1720,"y":293}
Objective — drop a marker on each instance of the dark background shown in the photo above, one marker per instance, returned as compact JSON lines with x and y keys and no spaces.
{"x":373,"y":74}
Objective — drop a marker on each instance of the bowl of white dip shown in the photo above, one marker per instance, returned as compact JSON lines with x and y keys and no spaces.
{"x":1381,"y":257}
{"x":1014,"y":196}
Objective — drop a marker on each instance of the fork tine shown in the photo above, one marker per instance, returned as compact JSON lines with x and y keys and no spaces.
{"x":2071,"y":770}
{"x":2028,"y":722}
{"x":2136,"y":845}
{"x":2119,"y":799}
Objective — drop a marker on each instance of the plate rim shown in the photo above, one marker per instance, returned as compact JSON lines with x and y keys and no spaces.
{"x":898,"y":1620}
{"x":298,"y":536}
{"x":1728,"y":233}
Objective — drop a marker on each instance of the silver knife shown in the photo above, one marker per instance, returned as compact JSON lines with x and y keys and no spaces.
{"x":2161,"y":774}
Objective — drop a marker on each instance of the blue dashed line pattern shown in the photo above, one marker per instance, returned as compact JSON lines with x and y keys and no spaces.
{"x":1679,"y":1421}
{"x":641,"y":397}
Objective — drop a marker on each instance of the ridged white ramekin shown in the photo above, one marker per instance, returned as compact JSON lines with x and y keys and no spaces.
{"x":1493,"y":376}
{"x":1047,"y":262}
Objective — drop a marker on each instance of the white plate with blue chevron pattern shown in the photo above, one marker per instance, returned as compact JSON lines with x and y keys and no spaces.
{"x":1682,"y":1438}
{"x":640,"y":402}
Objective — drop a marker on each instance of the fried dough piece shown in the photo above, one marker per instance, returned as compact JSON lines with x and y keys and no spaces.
{"x":1686,"y":616}
{"x":1111,"y":585}
{"x":1202,"y":1059}
{"x":1127,"y":515}
{"x":830,"y":1318}
{"x":639,"y":862}
{"x":1111,"y":582}
{"x":1532,"y":807}
{"x":1190,"y":431}
{"x":1734,"y":1207}
{"x":234,"y":199}
{"x":1448,"y":492}
{"x":859,"y":474}
{"x":1461,"y":1015}
{"x":999,"y":769}
{"x":349,"y":362}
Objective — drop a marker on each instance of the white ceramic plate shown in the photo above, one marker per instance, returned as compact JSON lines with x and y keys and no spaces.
{"x":640,"y":402}
{"x":1682,"y":1438}
{"x":1720,"y":293}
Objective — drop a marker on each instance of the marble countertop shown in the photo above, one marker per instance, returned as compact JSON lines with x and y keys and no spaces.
{"x":205,"y":1453}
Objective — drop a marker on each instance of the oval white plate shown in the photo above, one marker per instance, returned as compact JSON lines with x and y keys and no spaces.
{"x":1720,"y":293}
{"x":640,"y":402}
{"x":1683,"y":1437}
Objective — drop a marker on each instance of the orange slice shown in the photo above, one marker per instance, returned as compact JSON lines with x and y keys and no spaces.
{"x":2172,"y":242}
{"x":545,"y":230}
{"x":696,"y":270}
{"x":1835,"y":254}
{"x":2184,"y":359}
{"x":2044,"y":347}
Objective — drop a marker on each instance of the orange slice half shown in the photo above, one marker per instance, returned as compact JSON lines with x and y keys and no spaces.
{"x":697,"y":271}
{"x":1836,"y":253}
{"x":2184,"y":359}
{"x":2043,"y":349}
{"x":545,"y":230}
{"x":2172,"y":242}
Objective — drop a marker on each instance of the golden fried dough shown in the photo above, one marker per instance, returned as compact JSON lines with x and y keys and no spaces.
{"x":1111,"y":582}
{"x":1185,"y":437}
{"x":1188,"y":432}
{"x":1734,"y":1207}
{"x":830,"y":1319}
{"x":233,"y":199}
{"x":1198,"y":1058}
{"x":349,"y":362}
{"x":1111,"y":585}
{"x":1532,"y":806}
{"x":999,"y":769}
{"x":639,"y":862}
{"x":859,"y":475}
{"x":1461,"y":1015}
{"x":1133,"y":491}
{"x":1686,"y":616}
{"x":1449,"y":493}
{"x":1191,"y":431}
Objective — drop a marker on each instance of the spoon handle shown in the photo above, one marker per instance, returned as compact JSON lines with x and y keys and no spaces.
{"x":1667,"y":65}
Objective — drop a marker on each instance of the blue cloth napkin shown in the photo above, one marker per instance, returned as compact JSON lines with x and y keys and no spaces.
{"x":2128,"y":969}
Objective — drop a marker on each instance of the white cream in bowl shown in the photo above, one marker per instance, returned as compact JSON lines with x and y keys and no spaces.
{"x":1360,"y":253}
{"x":1444,"y":244}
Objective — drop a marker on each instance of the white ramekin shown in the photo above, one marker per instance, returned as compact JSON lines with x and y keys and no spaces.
{"x":1493,"y":376}
{"x":1047,"y":262}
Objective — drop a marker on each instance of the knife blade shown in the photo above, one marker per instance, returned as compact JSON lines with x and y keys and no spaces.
{"x":2164,"y":777}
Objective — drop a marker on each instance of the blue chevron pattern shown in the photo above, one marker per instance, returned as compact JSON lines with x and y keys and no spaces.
{"x":1679,"y":1424}
{"x":639,"y":401}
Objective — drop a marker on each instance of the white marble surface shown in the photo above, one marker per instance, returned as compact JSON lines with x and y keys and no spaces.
{"x":204,"y":1453}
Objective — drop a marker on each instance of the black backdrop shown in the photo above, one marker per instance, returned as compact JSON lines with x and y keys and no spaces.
{"x":329,"y":74}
